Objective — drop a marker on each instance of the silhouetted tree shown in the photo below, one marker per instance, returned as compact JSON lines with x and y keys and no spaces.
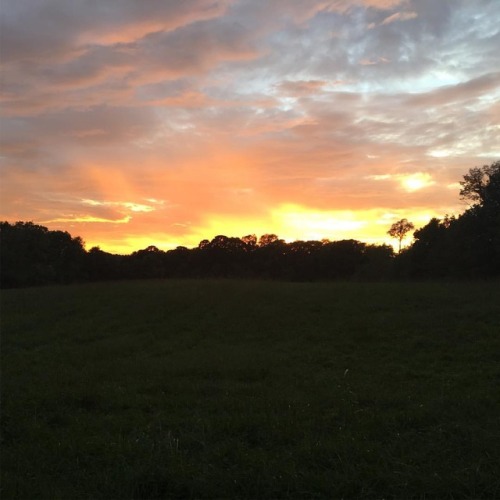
{"x":400,"y":229}
{"x":425,"y":256}
{"x":481,"y":185}
{"x":267,"y":239}
{"x":30,"y":254}
{"x":147,"y":263}
{"x":467,"y":246}
{"x":250,"y":240}
{"x":103,"y":266}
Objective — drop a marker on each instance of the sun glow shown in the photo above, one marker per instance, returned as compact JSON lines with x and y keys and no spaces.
{"x":414,"y":182}
{"x":409,"y":182}
{"x":297,"y":222}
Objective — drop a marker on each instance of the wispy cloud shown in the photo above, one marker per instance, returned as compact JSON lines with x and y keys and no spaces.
{"x":399,"y":16}
{"x":88,"y":218}
{"x":133,"y":207}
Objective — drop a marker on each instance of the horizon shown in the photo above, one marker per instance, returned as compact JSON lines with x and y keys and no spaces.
{"x":393,"y":244}
{"x":166,"y":124}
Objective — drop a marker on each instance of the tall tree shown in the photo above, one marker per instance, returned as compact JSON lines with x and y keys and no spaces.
{"x":400,"y":229}
{"x":481,"y":185}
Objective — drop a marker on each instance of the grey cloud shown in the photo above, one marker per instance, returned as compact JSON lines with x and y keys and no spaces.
{"x":466,"y":91}
{"x":92,"y":66}
{"x":300,"y":87}
{"x":192,"y":50}
{"x":49,"y":28}
{"x":101,"y":124}
{"x":54,"y":135}
{"x":98,"y":74}
{"x":440,"y":40}
{"x":399,"y":16}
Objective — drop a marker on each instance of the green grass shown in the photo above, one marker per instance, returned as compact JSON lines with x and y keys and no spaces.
{"x":210,"y":389}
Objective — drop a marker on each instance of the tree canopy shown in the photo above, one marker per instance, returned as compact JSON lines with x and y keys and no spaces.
{"x":481,"y":185}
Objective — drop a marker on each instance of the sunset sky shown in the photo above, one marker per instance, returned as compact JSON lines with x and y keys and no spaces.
{"x":164,"y":122}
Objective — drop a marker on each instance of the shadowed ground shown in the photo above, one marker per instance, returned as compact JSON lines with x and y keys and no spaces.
{"x":204,"y":389}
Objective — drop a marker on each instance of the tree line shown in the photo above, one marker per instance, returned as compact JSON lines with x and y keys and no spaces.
{"x":467,"y":246}
{"x":33,"y":255}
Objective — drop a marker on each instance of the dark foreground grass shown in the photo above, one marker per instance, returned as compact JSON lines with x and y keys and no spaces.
{"x":199,"y":389}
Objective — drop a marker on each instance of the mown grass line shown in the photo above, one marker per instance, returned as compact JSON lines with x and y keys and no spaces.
{"x":245,"y":389}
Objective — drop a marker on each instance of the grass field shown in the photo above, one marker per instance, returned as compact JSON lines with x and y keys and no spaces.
{"x":226,"y":389}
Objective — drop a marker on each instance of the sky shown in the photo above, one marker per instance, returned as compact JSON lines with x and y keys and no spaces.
{"x":163,"y":122}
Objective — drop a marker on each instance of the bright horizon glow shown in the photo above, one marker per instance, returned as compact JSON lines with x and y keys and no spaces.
{"x":166,"y":123}
{"x":290,"y":223}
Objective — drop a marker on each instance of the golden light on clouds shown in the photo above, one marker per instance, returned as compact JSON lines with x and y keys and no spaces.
{"x":89,"y":218}
{"x":133,"y":207}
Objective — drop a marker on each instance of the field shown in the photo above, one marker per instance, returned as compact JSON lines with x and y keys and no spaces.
{"x":226,"y":389}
